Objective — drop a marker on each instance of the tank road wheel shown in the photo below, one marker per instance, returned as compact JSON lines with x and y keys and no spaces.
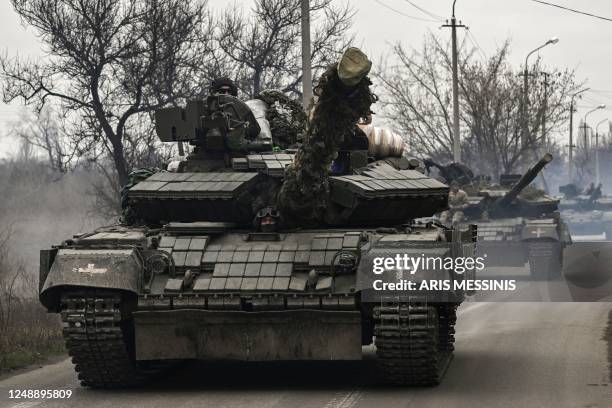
{"x":410,"y":347}
{"x":100,"y":340}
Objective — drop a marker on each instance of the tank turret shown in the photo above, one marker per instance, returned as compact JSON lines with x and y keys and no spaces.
{"x":523,"y":182}
{"x":458,"y":172}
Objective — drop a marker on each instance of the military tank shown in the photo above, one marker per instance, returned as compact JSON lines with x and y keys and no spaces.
{"x":517,"y":223}
{"x":209,"y":264}
{"x":588,"y":213}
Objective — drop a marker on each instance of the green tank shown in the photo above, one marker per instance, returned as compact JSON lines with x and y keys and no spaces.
{"x":517,"y":223}
{"x":588,"y":213}
{"x":216,"y":260}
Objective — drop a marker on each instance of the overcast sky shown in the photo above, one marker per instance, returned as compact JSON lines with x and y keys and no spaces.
{"x":584,"y":41}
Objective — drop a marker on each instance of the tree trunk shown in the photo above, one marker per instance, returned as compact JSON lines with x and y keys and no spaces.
{"x":120,"y":163}
{"x":256,"y":83}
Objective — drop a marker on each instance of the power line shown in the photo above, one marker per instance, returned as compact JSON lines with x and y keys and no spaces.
{"x":440,"y":18}
{"x":474,"y":41}
{"x":593,"y":101}
{"x":591,"y":107}
{"x":598,"y":95}
{"x":573,"y":10}
{"x":465,"y":37}
{"x":404,"y":14}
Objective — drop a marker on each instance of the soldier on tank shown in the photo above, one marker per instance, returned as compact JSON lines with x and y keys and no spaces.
{"x":224,"y":86}
{"x":457,"y":202}
{"x":267,"y":219}
{"x":590,"y":189}
{"x":596,"y":193}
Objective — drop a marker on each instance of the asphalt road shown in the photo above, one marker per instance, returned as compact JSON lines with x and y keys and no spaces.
{"x":508,"y":355}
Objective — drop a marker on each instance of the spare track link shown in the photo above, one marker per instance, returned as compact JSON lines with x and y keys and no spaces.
{"x":545,"y":259}
{"x":99,"y":340}
{"x":409,"y":347}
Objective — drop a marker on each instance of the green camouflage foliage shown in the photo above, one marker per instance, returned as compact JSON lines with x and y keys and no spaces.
{"x":304,"y":196}
{"x":286,"y":116}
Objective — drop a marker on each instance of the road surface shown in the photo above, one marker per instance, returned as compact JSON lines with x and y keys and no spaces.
{"x":507,"y":355}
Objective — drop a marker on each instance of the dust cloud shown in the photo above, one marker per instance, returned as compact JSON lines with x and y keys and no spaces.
{"x":42,"y":208}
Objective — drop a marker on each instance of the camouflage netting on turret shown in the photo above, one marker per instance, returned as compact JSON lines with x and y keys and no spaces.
{"x":532,"y":193}
{"x":286,"y":116}
{"x":303,"y":198}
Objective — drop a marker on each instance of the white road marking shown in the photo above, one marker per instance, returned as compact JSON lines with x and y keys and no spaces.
{"x":471,"y":308}
{"x":345,"y":400}
{"x":27,"y":404}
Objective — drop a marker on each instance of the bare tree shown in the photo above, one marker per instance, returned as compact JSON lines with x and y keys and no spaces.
{"x":9,"y":275}
{"x":492,"y":96}
{"x":262,"y":51}
{"x":417,"y":95}
{"x":109,"y":63}
{"x":40,"y":132}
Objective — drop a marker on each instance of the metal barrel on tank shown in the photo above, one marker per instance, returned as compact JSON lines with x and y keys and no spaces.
{"x":383,"y":142}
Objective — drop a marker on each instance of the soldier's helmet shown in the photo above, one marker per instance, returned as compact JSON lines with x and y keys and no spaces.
{"x":223,"y":85}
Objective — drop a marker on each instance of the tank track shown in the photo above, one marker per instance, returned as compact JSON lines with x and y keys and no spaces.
{"x":447,"y":315}
{"x":99,"y":340}
{"x":413,"y":342}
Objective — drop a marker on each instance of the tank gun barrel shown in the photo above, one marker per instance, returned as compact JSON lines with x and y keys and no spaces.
{"x":524,"y":181}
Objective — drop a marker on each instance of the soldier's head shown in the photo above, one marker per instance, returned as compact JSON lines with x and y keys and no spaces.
{"x":267,"y":219}
{"x":454,"y":186}
{"x":223,"y":85}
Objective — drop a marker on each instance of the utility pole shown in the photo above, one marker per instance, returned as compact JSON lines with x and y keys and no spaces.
{"x":525,"y":137}
{"x":586,"y":115}
{"x":571,"y":132}
{"x":545,"y":105}
{"x":456,"y":135}
{"x":571,"y":141}
{"x":544,"y":138}
{"x":597,"y":171}
{"x":596,"y":158}
{"x":306,"y":55}
{"x":585,"y":145}
{"x":525,"y":121}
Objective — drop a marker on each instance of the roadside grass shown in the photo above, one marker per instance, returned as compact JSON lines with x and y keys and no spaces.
{"x":23,"y":358}
{"x":29,"y":336}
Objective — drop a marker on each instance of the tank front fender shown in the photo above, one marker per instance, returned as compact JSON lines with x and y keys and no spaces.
{"x":119,"y":269}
